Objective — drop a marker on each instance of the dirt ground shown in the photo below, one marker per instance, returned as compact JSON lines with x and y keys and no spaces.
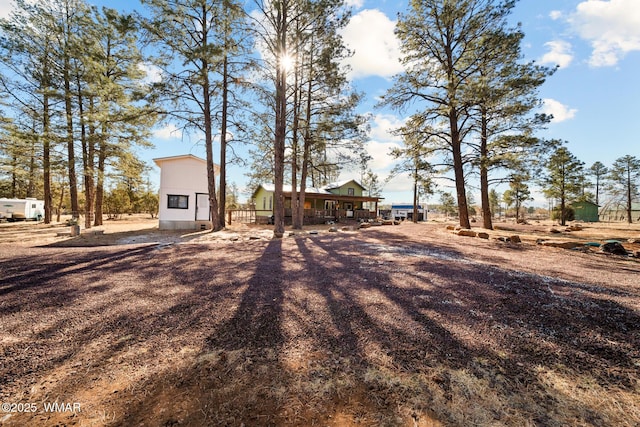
{"x":407,"y":325}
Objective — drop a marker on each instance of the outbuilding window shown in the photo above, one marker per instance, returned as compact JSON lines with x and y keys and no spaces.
{"x":177,"y":201}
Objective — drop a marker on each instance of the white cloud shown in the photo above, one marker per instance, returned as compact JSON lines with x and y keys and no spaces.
{"x":382,"y":127}
{"x":170,"y":131}
{"x":612,"y":27}
{"x":559,"y":111}
{"x":382,"y":142}
{"x":152,"y":72}
{"x":555,"y":15}
{"x":559,"y":53}
{"x":381,"y":159}
{"x":370,"y":34}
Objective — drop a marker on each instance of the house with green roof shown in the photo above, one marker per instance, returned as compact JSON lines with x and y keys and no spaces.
{"x":334,"y":202}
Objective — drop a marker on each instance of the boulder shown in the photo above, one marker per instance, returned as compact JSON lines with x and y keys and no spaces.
{"x":515,"y":239}
{"x":451,"y":227}
{"x":614,"y":248}
{"x":553,"y":230}
{"x":483,"y":235}
{"x":560,"y":244}
{"x":333,"y":229}
{"x":365,"y":225}
{"x":467,"y":233}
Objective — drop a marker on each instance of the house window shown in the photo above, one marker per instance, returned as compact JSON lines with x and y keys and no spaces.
{"x":264,"y":203}
{"x":351,"y":191}
{"x":177,"y":202}
{"x":270,"y":203}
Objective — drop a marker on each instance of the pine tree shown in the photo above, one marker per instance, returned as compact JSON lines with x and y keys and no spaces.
{"x":414,"y":155}
{"x":503,"y":95}
{"x":118,"y":112}
{"x":27,"y":51}
{"x":599,"y":172}
{"x":188,"y":32}
{"x":75,"y":76}
{"x":518,"y":193}
{"x":439,"y":46}
{"x":494,"y":201}
{"x":323,"y":110}
{"x":563,"y":179}
{"x":624,"y":178}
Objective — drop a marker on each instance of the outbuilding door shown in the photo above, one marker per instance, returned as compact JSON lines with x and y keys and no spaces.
{"x":202,"y":207}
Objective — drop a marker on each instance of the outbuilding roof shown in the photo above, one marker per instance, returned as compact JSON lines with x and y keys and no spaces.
{"x":405,"y":206}
{"x":180,"y":157}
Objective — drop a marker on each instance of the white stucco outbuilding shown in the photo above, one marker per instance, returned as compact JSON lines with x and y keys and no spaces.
{"x":184,"y":194}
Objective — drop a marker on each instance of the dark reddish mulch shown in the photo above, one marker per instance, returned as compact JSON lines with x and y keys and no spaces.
{"x":403,"y":325}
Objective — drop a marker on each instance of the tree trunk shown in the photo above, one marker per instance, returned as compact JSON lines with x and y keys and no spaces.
{"x":223,"y":143}
{"x":458,"y":168}
{"x":303,"y":187}
{"x":60,"y":202}
{"x":102,"y":155}
{"x":306,"y":152}
{"x":14,"y":176}
{"x":487,"y":215}
{"x":46,"y":163}
{"x":415,"y":196}
{"x":629,"y":194}
{"x":71,"y":165}
{"x":296,"y":207}
{"x":563,"y":219}
{"x":73,"y":182}
{"x":280,"y":125}
{"x":31,"y":187}
{"x":87,"y":162}
{"x":46,"y":150}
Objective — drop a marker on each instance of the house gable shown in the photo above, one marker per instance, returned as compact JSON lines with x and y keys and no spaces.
{"x":346,"y":188}
{"x":263,"y":198}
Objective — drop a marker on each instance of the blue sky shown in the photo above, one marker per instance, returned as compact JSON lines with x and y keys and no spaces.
{"x":594,"y":96}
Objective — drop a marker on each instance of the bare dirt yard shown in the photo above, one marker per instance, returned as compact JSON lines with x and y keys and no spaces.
{"x":407,"y":325}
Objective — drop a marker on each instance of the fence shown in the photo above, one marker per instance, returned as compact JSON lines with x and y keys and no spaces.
{"x":311,"y":216}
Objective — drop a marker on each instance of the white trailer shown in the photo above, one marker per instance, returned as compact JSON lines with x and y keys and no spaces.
{"x":21,"y":209}
{"x":404,"y":211}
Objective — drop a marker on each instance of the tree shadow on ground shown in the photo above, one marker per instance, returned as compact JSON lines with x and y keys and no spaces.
{"x":331,"y":330}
